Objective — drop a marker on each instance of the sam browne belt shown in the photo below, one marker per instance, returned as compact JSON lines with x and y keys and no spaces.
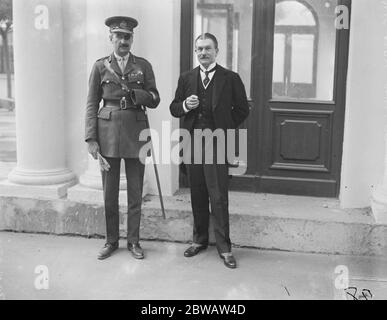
{"x":122,"y":104}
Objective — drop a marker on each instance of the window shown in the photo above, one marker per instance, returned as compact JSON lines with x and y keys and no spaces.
{"x":304,"y":49}
{"x":231,"y":22}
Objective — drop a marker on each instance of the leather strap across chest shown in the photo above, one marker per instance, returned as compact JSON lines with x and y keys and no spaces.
{"x":115,"y":75}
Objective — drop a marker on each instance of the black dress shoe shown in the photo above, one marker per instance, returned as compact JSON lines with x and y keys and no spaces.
{"x":107,"y":250}
{"x":136,"y":250}
{"x":229,"y":261}
{"x":193,"y":251}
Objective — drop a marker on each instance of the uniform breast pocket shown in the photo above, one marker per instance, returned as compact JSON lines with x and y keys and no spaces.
{"x":109,"y":87}
{"x":104,"y":114}
{"x":136,"y":80}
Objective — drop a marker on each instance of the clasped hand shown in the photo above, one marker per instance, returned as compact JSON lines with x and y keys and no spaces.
{"x":192,"y":102}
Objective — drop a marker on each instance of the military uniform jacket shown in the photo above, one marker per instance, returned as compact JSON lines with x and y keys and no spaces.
{"x":117,"y":131}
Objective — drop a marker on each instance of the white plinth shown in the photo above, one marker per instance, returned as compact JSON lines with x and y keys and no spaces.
{"x":92,"y":177}
{"x":55,"y":191}
{"x":41,"y":177}
{"x":379,"y":205}
{"x":80,"y":193}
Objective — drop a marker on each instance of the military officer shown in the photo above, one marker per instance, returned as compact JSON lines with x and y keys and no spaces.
{"x":126,"y":84}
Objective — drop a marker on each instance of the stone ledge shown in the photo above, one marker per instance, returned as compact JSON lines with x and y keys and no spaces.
{"x":353,"y":233}
{"x":55,"y":191}
{"x":79,"y":193}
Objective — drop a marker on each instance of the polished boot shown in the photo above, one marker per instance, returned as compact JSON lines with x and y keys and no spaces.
{"x":193,"y":251}
{"x":229,"y":260}
{"x":107,"y":250}
{"x":136,"y":250}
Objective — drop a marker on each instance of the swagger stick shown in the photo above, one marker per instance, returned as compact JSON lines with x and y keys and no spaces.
{"x":155,"y":167}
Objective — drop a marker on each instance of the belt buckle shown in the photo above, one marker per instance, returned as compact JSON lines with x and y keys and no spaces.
{"x":123,"y":104}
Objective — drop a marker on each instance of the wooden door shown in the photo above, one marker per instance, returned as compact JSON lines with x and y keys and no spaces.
{"x":297,"y":89}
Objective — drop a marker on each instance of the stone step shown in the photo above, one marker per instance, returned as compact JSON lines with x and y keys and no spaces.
{"x":266,"y":221}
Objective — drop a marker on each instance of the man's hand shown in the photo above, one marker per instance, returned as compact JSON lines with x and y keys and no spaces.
{"x":192,"y":102}
{"x":93,"y":148}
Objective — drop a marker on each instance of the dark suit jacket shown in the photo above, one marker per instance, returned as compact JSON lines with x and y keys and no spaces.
{"x":229,"y":101}
{"x":117,"y":132}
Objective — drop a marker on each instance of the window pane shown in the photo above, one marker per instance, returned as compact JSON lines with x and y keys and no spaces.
{"x":293,"y":13}
{"x":231,"y":22}
{"x":305,"y":35}
{"x":279,"y":57}
{"x":302,"y":58}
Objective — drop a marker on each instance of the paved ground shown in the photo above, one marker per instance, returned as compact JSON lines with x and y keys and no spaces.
{"x":75,"y":273}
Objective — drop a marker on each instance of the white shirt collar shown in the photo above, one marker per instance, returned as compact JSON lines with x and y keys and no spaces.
{"x":124,"y":57}
{"x":211,"y":66}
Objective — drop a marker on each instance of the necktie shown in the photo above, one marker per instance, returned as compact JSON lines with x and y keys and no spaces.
{"x":122,"y":64}
{"x":207,"y":79}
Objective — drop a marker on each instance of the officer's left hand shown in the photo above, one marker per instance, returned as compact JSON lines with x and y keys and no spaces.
{"x":93,"y":148}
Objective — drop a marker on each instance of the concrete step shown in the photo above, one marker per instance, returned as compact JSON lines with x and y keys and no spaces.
{"x":289,"y":223}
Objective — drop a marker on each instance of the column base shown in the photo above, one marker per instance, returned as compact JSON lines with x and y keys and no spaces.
{"x":92,"y":177}
{"x":53,"y":191}
{"x":379,"y":205}
{"x":90,"y":180}
{"x":41,"y":177}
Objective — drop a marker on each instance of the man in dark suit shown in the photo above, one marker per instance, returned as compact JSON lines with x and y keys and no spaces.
{"x":126,"y":84}
{"x":210,"y":97}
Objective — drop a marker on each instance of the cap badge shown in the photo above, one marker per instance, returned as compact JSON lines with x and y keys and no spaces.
{"x":123,"y":25}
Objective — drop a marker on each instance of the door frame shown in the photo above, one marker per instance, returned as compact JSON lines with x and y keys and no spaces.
{"x":261,"y":90}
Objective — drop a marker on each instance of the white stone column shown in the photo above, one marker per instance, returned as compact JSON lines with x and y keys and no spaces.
{"x":38,"y":52}
{"x":379,"y":196}
{"x":379,"y":199}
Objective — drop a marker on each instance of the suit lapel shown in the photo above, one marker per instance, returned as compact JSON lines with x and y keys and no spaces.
{"x":193,"y":81}
{"x":219,"y":81}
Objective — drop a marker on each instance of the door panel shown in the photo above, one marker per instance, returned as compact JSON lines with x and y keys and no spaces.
{"x":301,"y":140}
